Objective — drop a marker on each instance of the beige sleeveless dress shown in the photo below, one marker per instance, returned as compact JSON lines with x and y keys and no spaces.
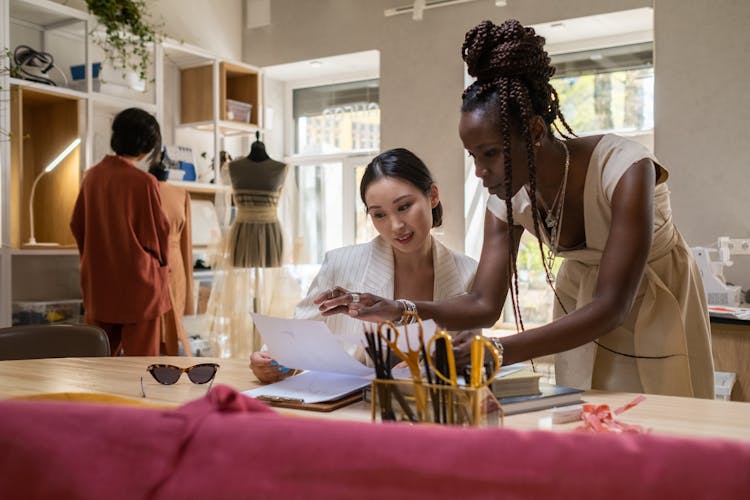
{"x":175,"y":202}
{"x":255,"y":238}
{"x":664,"y":346}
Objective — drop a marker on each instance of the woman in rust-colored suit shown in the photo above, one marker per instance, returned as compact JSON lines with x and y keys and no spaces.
{"x":175,"y":203}
{"x":122,"y":236}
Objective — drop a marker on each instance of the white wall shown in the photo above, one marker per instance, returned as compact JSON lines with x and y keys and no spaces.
{"x":215,"y":25}
{"x":702,"y":114}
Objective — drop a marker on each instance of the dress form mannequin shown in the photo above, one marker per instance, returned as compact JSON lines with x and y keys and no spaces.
{"x":255,"y":238}
{"x":254,"y":280}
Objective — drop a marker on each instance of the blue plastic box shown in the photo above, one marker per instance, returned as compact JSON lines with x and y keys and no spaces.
{"x":79,"y":72}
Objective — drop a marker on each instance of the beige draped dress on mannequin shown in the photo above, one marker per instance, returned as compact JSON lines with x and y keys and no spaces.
{"x":255,"y":238}
{"x":664,"y":345}
{"x":250,"y":277}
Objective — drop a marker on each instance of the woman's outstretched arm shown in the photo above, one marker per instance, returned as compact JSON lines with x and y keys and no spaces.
{"x":480,"y":306}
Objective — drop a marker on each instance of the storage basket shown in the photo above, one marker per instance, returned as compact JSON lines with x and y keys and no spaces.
{"x":238,"y":111}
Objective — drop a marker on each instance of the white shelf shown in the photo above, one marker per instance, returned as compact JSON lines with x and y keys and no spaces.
{"x":186,"y":56}
{"x":226,"y":128}
{"x":200,"y":187}
{"x":49,"y":89}
{"x":45,"y":14}
{"x":44,"y":250}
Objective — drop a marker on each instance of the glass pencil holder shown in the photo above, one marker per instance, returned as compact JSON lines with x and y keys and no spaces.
{"x":407,"y":401}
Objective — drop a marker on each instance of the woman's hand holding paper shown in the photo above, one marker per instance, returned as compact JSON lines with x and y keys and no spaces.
{"x":266,"y":368}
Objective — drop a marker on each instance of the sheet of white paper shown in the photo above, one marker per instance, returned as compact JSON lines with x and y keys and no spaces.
{"x":307,"y":344}
{"x":312,"y":387}
{"x":428,"y":328}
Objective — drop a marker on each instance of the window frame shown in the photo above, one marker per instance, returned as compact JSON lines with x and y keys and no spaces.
{"x":349,"y":159}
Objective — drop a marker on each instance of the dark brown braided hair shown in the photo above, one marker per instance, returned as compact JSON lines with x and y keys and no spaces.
{"x":512,"y":72}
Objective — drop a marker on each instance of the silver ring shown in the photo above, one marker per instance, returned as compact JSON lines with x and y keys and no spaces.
{"x":355,"y":298}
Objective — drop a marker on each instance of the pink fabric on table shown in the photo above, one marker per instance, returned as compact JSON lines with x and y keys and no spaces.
{"x":229,"y":446}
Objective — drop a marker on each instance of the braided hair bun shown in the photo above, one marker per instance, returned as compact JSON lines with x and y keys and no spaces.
{"x":508,"y":50}
{"x":511,"y":57}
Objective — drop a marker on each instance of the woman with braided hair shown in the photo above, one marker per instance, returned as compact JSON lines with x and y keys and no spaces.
{"x":630,"y":312}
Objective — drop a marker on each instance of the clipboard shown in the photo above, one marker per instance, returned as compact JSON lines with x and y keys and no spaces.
{"x":324,"y":406}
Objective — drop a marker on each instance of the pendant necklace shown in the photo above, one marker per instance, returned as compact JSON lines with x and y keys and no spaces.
{"x":551,"y":219}
{"x":554,"y":220}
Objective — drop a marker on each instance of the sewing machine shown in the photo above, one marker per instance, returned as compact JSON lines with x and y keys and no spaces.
{"x":718,"y":291}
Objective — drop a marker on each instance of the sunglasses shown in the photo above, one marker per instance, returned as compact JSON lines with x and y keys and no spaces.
{"x":169,"y":374}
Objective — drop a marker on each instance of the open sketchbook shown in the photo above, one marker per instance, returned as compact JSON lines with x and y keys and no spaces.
{"x":310,"y":387}
{"x":331,"y":372}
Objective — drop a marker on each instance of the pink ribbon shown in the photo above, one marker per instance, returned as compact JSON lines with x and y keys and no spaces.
{"x":601,"y":419}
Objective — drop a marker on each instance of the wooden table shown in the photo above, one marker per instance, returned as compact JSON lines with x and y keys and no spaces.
{"x":121,"y":377}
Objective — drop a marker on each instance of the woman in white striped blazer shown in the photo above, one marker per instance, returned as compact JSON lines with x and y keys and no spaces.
{"x":404,"y":262}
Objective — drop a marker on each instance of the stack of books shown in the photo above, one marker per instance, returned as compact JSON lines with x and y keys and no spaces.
{"x":518,"y":390}
{"x":522,"y":382}
{"x":550,"y":396}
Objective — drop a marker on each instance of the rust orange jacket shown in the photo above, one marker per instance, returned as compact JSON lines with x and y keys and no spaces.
{"x":122,"y":236}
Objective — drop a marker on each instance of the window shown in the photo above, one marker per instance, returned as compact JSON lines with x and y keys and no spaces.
{"x":336,"y":133}
{"x":330,"y":213}
{"x":337,"y":118}
{"x":608,"y":89}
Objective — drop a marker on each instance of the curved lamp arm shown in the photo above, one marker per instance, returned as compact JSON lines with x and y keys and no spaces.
{"x":32,"y":240}
{"x":49,"y":168}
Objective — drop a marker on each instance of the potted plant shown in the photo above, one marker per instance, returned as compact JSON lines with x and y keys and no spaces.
{"x":129,"y":33}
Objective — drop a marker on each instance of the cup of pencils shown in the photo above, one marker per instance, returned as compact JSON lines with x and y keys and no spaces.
{"x":434,"y":393}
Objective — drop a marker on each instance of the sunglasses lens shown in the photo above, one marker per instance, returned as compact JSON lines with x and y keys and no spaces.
{"x":201,"y":374}
{"x":166,"y":375}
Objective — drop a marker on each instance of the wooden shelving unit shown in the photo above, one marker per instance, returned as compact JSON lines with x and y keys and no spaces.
{"x":236,"y":82}
{"x":188,"y":95}
{"x":241,"y":84}
{"x":43,"y":125}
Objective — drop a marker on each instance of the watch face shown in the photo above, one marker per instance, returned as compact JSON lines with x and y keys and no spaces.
{"x":498,"y":345}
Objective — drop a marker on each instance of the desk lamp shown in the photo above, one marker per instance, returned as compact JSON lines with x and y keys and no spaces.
{"x":49,"y":168}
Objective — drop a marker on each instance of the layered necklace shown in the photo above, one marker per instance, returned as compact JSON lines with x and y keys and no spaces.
{"x":554,"y":218}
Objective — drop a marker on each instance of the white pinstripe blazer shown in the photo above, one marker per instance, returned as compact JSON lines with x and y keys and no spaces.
{"x":369,"y":267}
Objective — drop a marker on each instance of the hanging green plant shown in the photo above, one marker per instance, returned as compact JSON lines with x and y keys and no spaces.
{"x":128,"y":33}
